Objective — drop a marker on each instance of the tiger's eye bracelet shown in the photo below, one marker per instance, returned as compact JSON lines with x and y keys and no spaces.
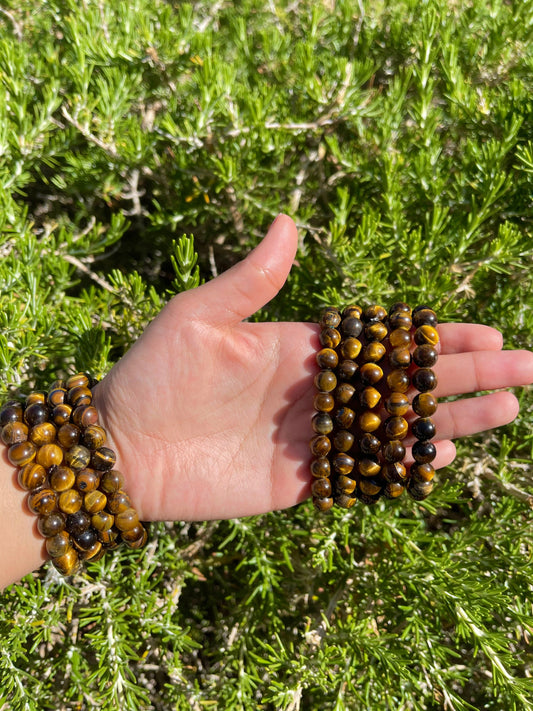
{"x":56,"y":443}
{"x":367,"y":366}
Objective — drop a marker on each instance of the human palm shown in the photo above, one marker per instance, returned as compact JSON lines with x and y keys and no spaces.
{"x":210,"y":415}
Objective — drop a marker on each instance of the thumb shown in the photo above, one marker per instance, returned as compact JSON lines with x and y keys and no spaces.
{"x":250,"y":284}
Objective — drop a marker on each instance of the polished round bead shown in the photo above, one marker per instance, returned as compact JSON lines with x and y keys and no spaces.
{"x":344,"y":392}
{"x":50,"y":524}
{"x":400,"y":320}
{"x":109,"y":538}
{"x":375,"y":331}
{"x":426,"y":334}
{"x":86,"y":539}
{"x":327,"y":358}
{"x":374,"y":312}
{"x":420,"y":490}
{"x":61,"y":414}
{"x":351,"y":326}
{"x":421,"y":472}
{"x":94,"y":553}
{"x":397,"y":404}
{"x":324,"y":402}
{"x":330,"y":317}
{"x":343,"y":441}
{"x":347,"y":369}
{"x":21,"y":453}
{"x":85,"y":415}
{"x":425,"y":404}
{"x":94,"y":437}
{"x":424,"y":451}
{"x":320,"y":445}
{"x":128,"y":518}
{"x":399,"y":338}
{"x":345,"y":417}
{"x":326,"y":381}
{"x":330,"y":337}
{"x":395,"y":427}
{"x":79,"y":380}
{"x":368,"y":467}
{"x":369,"y":421}
{"x":42,"y":434}
{"x":399,"y":306}
{"x":394,"y":451}
{"x":56,"y":396}
{"x":398,"y":381}
{"x":369,"y":397}
{"x":102,"y":521}
{"x":11,"y":412}
{"x":137,"y":543}
{"x":400,"y":358}
{"x":320,"y":467}
{"x":59,"y":383}
{"x":393,"y":490}
{"x":373,"y":352}
{"x":343,"y":463}
{"x":78,"y":522}
{"x":58,"y":544}
{"x":78,"y":457}
{"x":36,"y":397}
{"x":35,"y":414}
{"x":79,"y":396}
{"x":369,"y":443}
{"x":68,"y":435}
{"x":345,"y":485}
{"x":352,"y":310}
{"x":322,"y":423}
{"x":423,"y":428}
{"x":62,"y":478}
{"x":14,"y":432}
{"x":320,"y":488}
{"x":323,"y":505}
{"x":350,"y":348}
{"x":87,"y":480}
{"x":370,"y":487}
{"x":31,"y":476}
{"x":425,"y":317}
{"x":70,"y":501}
{"x":345,"y":501}
{"x":104,"y":458}
{"x":393,"y":472}
{"x":118,"y":502}
{"x":370,"y":373}
{"x":94,"y":501}
{"x":68,"y":563}
{"x":424,"y":380}
{"x":42,"y":501}
{"x":425,"y":356}
{"x":49,"y":455}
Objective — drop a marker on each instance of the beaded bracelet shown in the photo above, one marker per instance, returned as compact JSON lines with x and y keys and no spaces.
{"x":366,"y":369}
{"x":59,"y":448}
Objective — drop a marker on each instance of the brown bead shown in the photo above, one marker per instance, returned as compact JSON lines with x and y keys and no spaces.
{"x":368,"y":467}
{"x":394,"y":451}
{"x":68,"y":563}
{"x":14,"y":432}
{"x":425,"y":356}
{"x":58,"y":545}
{"x":345,"y":417}
{"x":426,"y":334}
{"x":393,"y":490}
{"x":344,"y":392}
{"x":370,"y":487}
{"x":79,"y":380}
{"x":420,"y":490}
{"x":87,"y":480}
{"x":49,"y":455}
{"x":394,"y":472}
{"x":102,"y":520}
{"x":21,"y":453}
{"x":400,"y":358}
{"x":42,"y":501}
{"x":11,"y":412}
{"x":118,"y":502}
{"x":323,"y":505}
{"x":325,"y":381}
{"x":425,"y":317}
{"x":61,"y":414}
{"x":369,"y":421}
{"x":375,"y":331}
{"x":70,"y":501}
{"x":62,"y":478}
{"x":78,"y":457}
{"x":398,"y":381}
{"x":343,"y":441}
{"x":68,"y":435}
{"x":369,"y":397}
{"x":324,"y":402}
{"x":423,"y":428}
{"x":50,"y":524}
{"x":42,"y":434}
{"x":94,"y":501}
{"x":320,"y":467}
{"x":330,"y":337}
{"x":352,"y":310}
{"x":85,"y":415}
{"x":79,"y":396}
{"x":94,"y":437}
{"x":85,"y":541}
{"x":369,"y":443}
{"x":94,"y":553}
{"x":397,"y":404}
{"x":400,"y":338}
{"x":374,"y":312}
{"x":57,"y":384}
{"x":327,"y":358}
{"x":56,"y":396}
{"x":401,"y":306}
{"x":345,"y":501}
{"x":330,"y":317}
{"x":373,"y":352}
{"x":345,"y":485}
{"x":425,"y":404}
{"x":370,"y":373}
{"x":424,"y":451}
{"x":351,"y":326}
{"x":109,"y":538}
{"x":350,"y":348}
{"x":343,"y":463}
{"x":320,"y":445}
{"x":400,"y":320}
{"x":347,"y":369}
{"x":424,"y":380}
{"x":36,"y":397}
{"x":421,"y":472}
{"x":35,"y":414}
{"x":138,"y":542}
{"x":320,"y":488}
{"x":127,"y":519}
{"x":322,"y":423}
{"x":395,"y":428}
{"x":31,"y":476}
{"x":77,"y":522}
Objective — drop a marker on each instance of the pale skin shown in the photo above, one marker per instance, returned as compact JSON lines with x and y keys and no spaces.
{"x":210,"y":415}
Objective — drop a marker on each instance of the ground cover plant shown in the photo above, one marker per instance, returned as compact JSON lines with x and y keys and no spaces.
{"x":399,"y":135}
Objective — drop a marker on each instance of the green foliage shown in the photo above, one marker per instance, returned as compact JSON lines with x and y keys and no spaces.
{"x":399,"y":136}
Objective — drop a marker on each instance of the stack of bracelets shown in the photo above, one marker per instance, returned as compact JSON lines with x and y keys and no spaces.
{"x":365,"y":375}
{"x":58,"y":446}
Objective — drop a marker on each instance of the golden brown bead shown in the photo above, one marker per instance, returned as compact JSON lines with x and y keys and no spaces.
{"x":343,"y":463}
{"x":42,"y":434}
{"x":42,"y":501}
{"x":58,"y":545}
{"x":118,"y":502}
{"x":370,"y":373}
{"x":138,"y":542}
{"x":330,"y":317}
{"x":330,"y":337}
{"x":11,"y":412}
{"x":49,"y":455}
{"x":369,"y":443}
{"x":345,"y":417}
{"x":59,"y":383}
{"x":50,"y":524}
{"x":351,"y":326}
{"x":35,"y":414}
{"x":345,"y":501}
{"x":94,"y":437}
{"x":94,"y":553}
{"x":70,"y":501}
{"x":394,"y":472}
{"x":425,"y":356}
{"x":424,"y":380}
{"x":400,"y":338}
{"x":370,"y":487}
{"x":21,"y":453}
{"x":127,"y":519}
{"x":368,"y":467}
{"x":350,"y":348}
{"x":345,"y":485}
{"x":36,"y":397}
{"x":62,"y":478}
{"x":400,"y":358}
{"x":102,"y":521}
{"x":14,"y":432}
{"x":347,"y":369}
{"x":344,"y":392}
{"x":68,"y":563}
{"x":426,"y":334}
{"x":374,"y":312}
{"x":94,"y":501}
{"x":79,"y":396}
{"x":397,"y":404}
{"x":325,"y":381}
{"x":77,"y":522}
{"x":373,"y":352}
{"x":424,"y":317}
{"x":322,"y":505}
{"x":103,"y":459}
{"x":68,"y":435}
{"x":324,"y":402}
{"x":400,"y":320}
{"x":320,"y":467}
{"x":398,"y":381}
{"x":87,"y":480}
{"x":369,"y":421}
{"x":78,"y":457}
{"x":108,"y":538}
{"x":320,"y":445}
{"x":375,"y":331}
{"x":85,"y":415}
{"x":343,"y":441}
{"x":393,"y":490}
{"x":395,"y":428}
{"x":320,"y":488}
{"x":352,"y":310}
{"x":425,"y":404}
{"x":420,"y":490}
{"x":421,"y":472}
{"x":327,"y":358}
{"x":369,"y":397}
{"x":394,"y":451}
{"x":61,"y":414}
{"x":56,"y":396}
{"x":322,"y":423}
{"x":31,"y":476}
{"x":401,"y":306}
{"x":79,"y":380}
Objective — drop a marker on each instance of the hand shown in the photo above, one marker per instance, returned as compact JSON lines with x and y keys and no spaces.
{"x":210,"y":415}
